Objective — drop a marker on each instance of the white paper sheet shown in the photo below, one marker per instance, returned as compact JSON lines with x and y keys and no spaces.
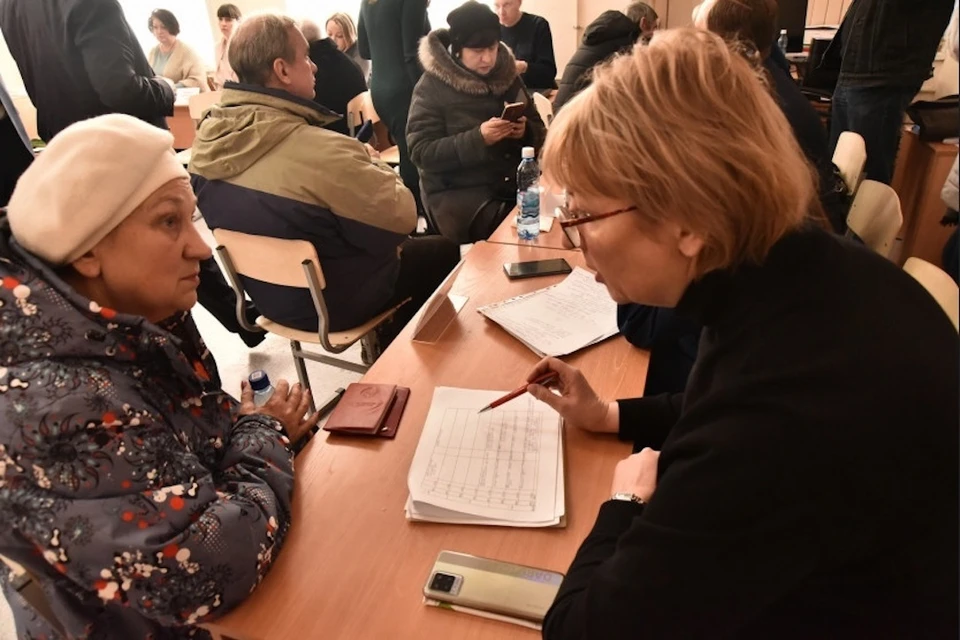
{"x":561,"y":319}
{"x":501,"y":467}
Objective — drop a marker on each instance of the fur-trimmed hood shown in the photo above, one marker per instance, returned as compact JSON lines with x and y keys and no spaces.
{"x":438,"y":62}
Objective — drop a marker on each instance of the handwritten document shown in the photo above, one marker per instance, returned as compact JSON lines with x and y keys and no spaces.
{"x":501,"y":467}
{"x":561,"y":319}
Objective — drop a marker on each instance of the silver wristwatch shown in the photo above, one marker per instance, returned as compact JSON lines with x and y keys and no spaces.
{"x":628,"y":497}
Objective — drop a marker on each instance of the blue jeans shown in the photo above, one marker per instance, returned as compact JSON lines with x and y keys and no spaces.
{"x":876,"y":113}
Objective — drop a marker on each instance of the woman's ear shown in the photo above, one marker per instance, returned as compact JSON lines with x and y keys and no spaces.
{"x":88,"y":265}
{"x":689,"y":243}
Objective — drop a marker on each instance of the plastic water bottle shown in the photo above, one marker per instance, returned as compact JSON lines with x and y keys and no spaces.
{"x":262,"y":389}
{"x":782,"y":41}
{"x":528,"y":196}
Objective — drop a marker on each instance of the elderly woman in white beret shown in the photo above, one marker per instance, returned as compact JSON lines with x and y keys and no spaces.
{"x":141,"y":498}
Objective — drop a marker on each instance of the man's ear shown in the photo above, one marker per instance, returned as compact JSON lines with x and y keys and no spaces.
{"x":280,"y":70}
{"x":644,"y":25}
{"x":88,"y":265}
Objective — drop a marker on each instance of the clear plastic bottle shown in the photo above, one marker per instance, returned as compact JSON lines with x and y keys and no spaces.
{"x":528,"y":196}
{"x":783,"y":40}
{"x":262,"y":389}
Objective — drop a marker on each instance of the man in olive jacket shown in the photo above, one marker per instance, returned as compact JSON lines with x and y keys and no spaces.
{"x":263,"y":164}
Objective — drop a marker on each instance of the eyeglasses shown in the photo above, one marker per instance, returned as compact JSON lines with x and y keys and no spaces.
{"x":570,"y":219}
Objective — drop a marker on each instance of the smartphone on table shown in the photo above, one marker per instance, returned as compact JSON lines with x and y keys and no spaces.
{"x":513,"y":111}
{"x":490,"y":585}
{"x":536,"y":268}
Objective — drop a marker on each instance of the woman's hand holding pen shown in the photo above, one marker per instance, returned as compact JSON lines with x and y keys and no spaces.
{"x":577,"y":403}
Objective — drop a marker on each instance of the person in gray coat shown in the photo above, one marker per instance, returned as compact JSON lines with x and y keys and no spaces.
{"x":466,"y":154}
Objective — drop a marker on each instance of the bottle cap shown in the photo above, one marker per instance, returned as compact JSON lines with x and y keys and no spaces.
{"x":783,"y":32}
{"x":528,"y":153}
{"x":259,"y":380}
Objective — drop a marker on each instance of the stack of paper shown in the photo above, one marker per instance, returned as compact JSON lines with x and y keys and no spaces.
{"x":501,"y":467}
{"x":561,"y":319}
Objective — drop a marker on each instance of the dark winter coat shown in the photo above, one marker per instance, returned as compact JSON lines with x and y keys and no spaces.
{"x":611,"y":33}
{"x":338,"y":81}
{"x":79,"y":59}
{"x":458,"y":171}
{"x":128,"y":485}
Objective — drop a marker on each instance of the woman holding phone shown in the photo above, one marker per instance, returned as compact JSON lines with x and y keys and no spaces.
{"x":804,"y":485}
{"x":470,"y":118}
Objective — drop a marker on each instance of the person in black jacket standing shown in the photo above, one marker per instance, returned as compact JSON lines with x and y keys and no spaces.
{"x":388,"y":34}
{"x":611,"y":33}
{"x":338,"y":78}
{"x":804,"y":485}
{"x":885,"y":51}
{"x":530,"y":40}
{"x":79,"y":59}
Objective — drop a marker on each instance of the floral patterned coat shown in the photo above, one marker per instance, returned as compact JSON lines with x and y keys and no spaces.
{"x":128,"y":486}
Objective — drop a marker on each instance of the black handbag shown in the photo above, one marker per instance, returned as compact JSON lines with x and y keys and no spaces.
{"x":936,"y":120}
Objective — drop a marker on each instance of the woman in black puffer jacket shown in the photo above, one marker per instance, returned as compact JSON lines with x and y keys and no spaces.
{"x":466,"y":154}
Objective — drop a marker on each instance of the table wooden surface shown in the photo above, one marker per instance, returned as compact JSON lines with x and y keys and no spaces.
{"x":506,"y":233}
{"x":182,"y":126}
{"x":353,"y":567}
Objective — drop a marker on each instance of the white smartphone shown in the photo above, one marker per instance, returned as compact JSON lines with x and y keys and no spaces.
{"x":490,"y":585}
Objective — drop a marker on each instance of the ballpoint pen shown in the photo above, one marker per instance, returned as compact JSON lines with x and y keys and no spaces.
{"x":324,"y":410}
{"x":516,"y":393}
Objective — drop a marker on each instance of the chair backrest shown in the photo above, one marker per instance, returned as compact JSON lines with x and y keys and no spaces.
{"x":369,"y":112}
{"x":875,"y":216}
{"x":271,"y":260}
{"x":355,"y":114}
{"x":817,"y":77}
{"x":544,"y":107}
{"x":201,"y":102}
{"x":850,"y":156}
{"x":940,"y":285}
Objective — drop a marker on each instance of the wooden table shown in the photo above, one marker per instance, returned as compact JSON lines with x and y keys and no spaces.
{"x":918,"y":179}
{"x":506,"y":233}
{"x":182,"y":126}
{"x":352,"y":566}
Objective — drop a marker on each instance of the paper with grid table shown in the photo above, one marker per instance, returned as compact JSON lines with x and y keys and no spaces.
{"x":559,"y":320}
{"x":501,"y":467}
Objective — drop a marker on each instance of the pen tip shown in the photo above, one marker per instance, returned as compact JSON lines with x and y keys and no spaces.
{"x":486,"y":408}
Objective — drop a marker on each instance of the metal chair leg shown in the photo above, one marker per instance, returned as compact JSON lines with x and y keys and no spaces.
{"x":301,"y":366}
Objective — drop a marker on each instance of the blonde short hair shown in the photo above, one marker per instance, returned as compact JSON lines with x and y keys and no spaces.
{"x":345,"y":22}
{"x":686,"y":130}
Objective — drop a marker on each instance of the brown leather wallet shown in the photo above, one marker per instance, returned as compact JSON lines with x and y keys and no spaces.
{"x":369,"y":410}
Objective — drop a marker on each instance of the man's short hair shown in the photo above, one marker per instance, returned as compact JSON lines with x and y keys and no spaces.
{"x":257,"y":42}
{"x":310,"y":30}
{"x":167,"y":19}
{"x":639,"y":10}
{"x":230,"y":11}
{"x":751,"y":21}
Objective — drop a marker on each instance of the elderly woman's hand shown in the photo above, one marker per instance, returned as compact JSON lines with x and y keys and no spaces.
{"x":495,"y":129}
{"x":637,"y":474}
{"x":288,"y":404}
{"x":519,"y":128}
{"x":577,"y":403}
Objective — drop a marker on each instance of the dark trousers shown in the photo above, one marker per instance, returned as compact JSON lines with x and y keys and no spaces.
{"x":219,"y":299}
{"x":424,"y":263}
{"x":393,"y":109}
{"x":876,"y":113}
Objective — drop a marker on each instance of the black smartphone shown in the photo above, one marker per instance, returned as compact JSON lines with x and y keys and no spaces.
{"x":513,"y":111}
{"x":535,"y":268}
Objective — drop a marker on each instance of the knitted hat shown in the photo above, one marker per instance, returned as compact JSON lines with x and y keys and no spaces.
{"x":91,"y":176}
{"x":473,"y":26}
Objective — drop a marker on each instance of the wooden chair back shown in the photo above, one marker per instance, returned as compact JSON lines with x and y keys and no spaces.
{"x":544,"y":108}
{"x":875,"y":216}
{"x":940,"y":285}
{"x":850,"y":156}
{"x":271,"y":260}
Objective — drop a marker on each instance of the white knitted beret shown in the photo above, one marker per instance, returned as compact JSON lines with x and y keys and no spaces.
{"x":91,"y":176}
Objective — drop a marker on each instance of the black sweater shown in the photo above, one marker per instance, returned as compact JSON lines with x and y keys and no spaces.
{"x":807,"y":478}
{"x":338,"y":81}
{"x":531,"y":41}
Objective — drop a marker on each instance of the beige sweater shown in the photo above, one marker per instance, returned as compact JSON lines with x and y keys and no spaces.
{"x":184,"y":67}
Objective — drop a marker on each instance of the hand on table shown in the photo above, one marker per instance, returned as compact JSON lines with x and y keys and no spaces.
{"x":288,"y":404}
{"x":637,"y":474}
{"x":577,"y":403}
{"x":496,"y":129}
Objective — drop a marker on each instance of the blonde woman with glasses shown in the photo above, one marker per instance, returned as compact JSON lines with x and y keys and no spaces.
{"x":805,"y":483}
